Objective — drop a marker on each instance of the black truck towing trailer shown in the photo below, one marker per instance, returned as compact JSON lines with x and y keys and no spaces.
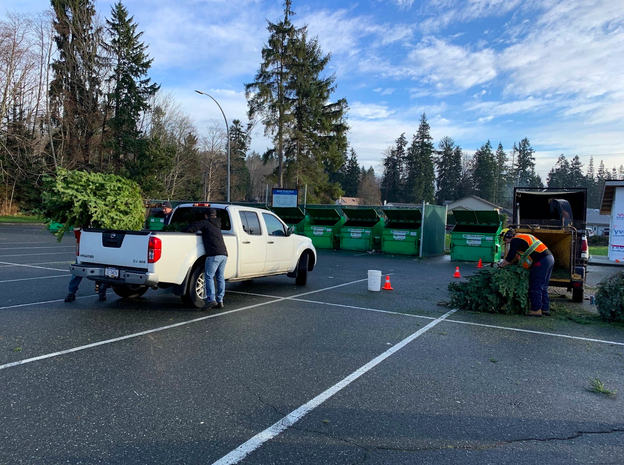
{"x":557,"y":217}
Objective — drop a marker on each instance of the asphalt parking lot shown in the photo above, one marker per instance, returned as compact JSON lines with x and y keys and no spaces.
{"x":329,"y":373}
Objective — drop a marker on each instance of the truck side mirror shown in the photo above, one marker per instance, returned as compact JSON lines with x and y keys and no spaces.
{"x":290,"y":231}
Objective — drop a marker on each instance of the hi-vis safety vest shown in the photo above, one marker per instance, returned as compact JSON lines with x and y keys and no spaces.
{"x":535,"y":245}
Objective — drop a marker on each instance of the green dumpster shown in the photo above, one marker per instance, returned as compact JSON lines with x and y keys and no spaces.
{"x":362,"y":230}
{"x":476,"y":235}
{"x":155,"y":224}
{"x":401,"y":234}
{"x":292,"y":216}
{"x":323,"y":227}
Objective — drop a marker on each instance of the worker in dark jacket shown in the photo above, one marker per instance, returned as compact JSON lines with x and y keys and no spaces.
{"x":216,"y":257}
{"x":533,"y":255}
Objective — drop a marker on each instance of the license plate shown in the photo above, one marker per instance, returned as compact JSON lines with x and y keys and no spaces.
{"x":111,"y":273}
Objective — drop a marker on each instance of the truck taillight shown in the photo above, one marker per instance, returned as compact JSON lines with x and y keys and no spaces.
{"x":154,"y":250}
{"x":584,"y":245}
{"x":77,"y":236}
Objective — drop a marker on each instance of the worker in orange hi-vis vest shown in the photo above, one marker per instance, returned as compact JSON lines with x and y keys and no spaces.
{"x":535,"y":256}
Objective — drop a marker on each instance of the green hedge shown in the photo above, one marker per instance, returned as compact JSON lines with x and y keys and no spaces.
{"x":598,"y":240}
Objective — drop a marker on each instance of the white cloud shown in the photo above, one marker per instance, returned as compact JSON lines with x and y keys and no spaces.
{"x":508,"y":108}
{"x":369,"y":111}
{"x":451,"y":67}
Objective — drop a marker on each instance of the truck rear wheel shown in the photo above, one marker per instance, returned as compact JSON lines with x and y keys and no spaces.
{"x":130,"y":291}
{"x":196,"y":289}
{"x":302,"y":270}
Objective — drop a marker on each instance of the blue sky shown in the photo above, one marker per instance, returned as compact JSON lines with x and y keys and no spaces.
{"x":497,"y":70}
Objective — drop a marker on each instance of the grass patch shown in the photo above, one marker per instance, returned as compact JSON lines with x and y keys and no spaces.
{"x":21,"y":219}
{"x":577,"y":315}
{"x":601,"y":250}
{"x":597,"y":386}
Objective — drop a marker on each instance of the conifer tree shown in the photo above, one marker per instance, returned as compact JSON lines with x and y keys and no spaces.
{"x":393,"y":163}
{"x":502,"y":194}
{"x":559,"y":175}
{"x":317,"y":142}
{"x":484,"y":172}
{"x":577,"y":179}
{"x":131,"y":89}
{"x":352,"y":174}
{"x":75,"y":88}
{"x":448,"y":164}
{"x":268,"y":95}
{"x":524,"y":167}
{"x":420,"y":173}
{"x":239,"y":173}
{"x":593,"y":196}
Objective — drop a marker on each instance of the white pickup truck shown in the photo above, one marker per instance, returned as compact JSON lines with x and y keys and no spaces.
{"x":258,"y":242}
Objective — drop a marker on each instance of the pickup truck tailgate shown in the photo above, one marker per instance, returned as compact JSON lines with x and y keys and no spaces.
{"x":119,"y":248}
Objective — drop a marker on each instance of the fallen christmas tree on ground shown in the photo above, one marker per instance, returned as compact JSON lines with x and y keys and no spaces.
{"x":610,"y":298}
{"x":494,"y":290}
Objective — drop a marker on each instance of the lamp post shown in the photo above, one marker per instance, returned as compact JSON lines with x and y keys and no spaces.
{"x":227,"y":130}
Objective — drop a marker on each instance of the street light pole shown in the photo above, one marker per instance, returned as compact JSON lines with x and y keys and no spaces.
{"x":227,"y":130}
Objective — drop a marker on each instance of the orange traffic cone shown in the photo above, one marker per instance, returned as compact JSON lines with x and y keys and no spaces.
{"x":457,"y":275}
{"x":480,"y":264}
{"x":387,"y":286}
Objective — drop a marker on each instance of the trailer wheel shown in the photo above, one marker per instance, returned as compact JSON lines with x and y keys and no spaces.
{"x":577,"y":294}
{"x":129,"y":291}
{"x":302,"y":270}
{"x":196,"y":289}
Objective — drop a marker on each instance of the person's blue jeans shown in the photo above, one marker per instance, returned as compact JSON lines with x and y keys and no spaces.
{"x":215,"y":266}
{"x":539,"y":276}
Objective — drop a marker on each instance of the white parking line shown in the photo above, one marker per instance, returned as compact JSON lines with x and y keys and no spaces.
{"x":36,"y":254}
{"x":277,"y":428}
{"x":149,"y":331}
{"x":483,"y":325}
{"x":32,"y":266}
{"x":33,"y":279}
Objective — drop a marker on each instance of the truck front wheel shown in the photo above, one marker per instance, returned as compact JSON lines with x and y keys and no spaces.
{"x":196,"y":289}
{"x":130,"y":291}
{"x":302,"y":270}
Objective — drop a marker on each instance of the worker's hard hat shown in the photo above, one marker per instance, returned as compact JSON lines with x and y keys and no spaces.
{"x":507,"y":233}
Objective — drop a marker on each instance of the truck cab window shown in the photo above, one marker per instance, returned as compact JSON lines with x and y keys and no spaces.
{"x":251,"y":223}
{"x":274,"y":226}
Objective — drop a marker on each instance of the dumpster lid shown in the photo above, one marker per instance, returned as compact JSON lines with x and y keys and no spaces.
{"x":411,"y":215}
{"x":289,"y":212}
{"x":323,"y":214}
{"x":477,"y":216}
{"x":361,"y":213}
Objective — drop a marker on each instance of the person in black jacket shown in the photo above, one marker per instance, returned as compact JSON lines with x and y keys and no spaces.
{"x":165,"y":213}
{"x":216,"y":257}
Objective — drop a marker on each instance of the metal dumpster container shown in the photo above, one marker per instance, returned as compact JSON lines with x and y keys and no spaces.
{"x":476,"y":235}
{"x":292,"y":216}
{"x":323,"y":227}
{"x":401,"y":234}
{"x":362,"y":230}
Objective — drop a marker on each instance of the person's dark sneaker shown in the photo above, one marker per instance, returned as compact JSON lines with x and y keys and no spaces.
{"x":220,"y":305}
{"x":209,"y":305}
{"x":102,"y":297}
{"x":546,"y":312}
{"x":537,"y":313}
{"x":70,"y":297}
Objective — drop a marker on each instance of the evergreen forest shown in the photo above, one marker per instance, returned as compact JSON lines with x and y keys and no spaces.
{"x":77,"y":95}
